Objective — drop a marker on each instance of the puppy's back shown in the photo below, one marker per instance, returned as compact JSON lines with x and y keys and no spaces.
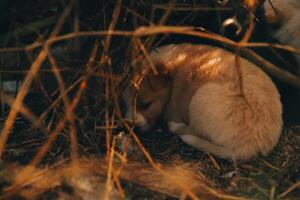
{"x":246,"y":121}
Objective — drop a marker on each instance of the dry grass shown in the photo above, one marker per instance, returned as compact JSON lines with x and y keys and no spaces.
{"x":64,"y":135}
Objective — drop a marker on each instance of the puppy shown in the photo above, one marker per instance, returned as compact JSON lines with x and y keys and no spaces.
{"x":209,"y":103}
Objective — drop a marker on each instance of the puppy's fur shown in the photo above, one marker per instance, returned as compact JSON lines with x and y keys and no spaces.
{"x":198,"y":92}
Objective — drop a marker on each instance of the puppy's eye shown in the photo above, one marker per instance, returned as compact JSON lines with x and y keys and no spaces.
{"x":145,"y":105}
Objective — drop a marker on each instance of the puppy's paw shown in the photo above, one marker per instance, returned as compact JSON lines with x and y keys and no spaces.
{"x":174,"y":126}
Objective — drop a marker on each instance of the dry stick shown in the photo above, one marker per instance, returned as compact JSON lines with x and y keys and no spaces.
{"x":147,"y":56}
{"x":245,"y":39}
{"x":285,"y":62}
{"x":76,"y":24}
{"x":112,"y":25}
{"x":163,"y":19}
{"x":8,"y":49}
{"x":193,"y":7}
{"x":107,"y":124}
{"x":144,"y":31}
{"x":105,"y":60}
{"x":178,"y":24}
{"x":26,"y":84}
{"x":270,"y":68}
{"x":26,"y":71}
{"x":30,"y":116}
{"x":69,"y":115}
{"x":108,"y":185}
{"x":110,"y":151}
{"x":272,"y":192}
{"x":62,"y":20}
{"x":271,"y":45}
{"x":116,"y":173}
{"x":117,"y":180}
{"x":32,"y":119}
{"x":270,"y":165}
{"x":137,"y":15}
{"x":294,"y":186}
{"x":119,"y":186}
{"x":214,"y":162}
{"x":167,"y":13}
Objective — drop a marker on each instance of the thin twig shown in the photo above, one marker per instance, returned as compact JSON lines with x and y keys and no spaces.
{"x":290,"y":189}
{"x":147,"y":56}
{"x":109,"y":184}
{"x":194,"y":7}
{"x":69,"y":115}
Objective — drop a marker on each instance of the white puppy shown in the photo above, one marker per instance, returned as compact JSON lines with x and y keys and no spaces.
{"x":198,"y":92}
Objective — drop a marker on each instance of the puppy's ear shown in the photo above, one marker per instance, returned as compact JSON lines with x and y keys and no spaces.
{"x":155,"y":75}
{"x":160,"y":80}
{"x":162,"y":69}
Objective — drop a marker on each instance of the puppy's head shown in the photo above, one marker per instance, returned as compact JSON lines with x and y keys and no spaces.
{"x":146,"y":95}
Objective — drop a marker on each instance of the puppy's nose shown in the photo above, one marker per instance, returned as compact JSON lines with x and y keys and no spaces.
{"x":140,"y":121}
{"x":136,"y":118}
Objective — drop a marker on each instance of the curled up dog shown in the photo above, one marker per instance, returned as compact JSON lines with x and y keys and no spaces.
{"x":210,"y":100}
